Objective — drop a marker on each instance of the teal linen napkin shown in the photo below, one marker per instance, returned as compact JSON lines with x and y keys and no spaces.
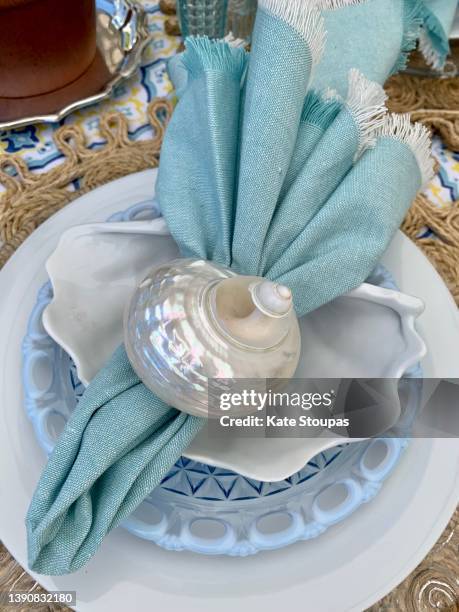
{"x":116,"y":447}
{"x":338,"y":214}
{"x":373,"y":36}
{"x":274,"y":97}
{"x":437,"y":19}
{"x":376,"y":37}
{"x":317,"y":114}
{"x":347,"y":235}
{"x":351,"y":132}
{"x":233,"y":192}
{"x":203,"y":150}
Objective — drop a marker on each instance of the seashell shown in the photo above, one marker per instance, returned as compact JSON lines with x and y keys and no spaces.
{"x":192,"y":320}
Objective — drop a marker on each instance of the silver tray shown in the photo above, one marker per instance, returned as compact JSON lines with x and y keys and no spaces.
{"x":122,"y":35}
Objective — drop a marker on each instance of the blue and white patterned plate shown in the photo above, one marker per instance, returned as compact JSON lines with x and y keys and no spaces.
{"x":206,"y":509}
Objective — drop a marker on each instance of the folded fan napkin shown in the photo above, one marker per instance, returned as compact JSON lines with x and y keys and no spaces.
{"x":373,"y":36}
{"x":337,"y":217}
{"x":376,"y":37}
{"x":230,"y":184}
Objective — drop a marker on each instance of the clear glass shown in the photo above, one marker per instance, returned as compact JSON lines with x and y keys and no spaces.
{"x":241,"y":17}
{"x":202,"y":17}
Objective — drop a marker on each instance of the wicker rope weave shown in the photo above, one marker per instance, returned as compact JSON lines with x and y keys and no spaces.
{"x":443,"y":252}
{"x":435,"y":102}
{"x":431,"y":101}
{"x":29,"y":199}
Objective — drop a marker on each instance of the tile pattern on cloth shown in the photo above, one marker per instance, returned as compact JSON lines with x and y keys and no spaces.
{"x":35,"y":144}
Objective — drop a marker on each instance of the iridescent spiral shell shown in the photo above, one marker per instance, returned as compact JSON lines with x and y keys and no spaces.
{"x":179,"y":334}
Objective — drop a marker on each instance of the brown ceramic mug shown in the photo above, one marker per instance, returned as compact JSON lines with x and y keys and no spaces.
{"x":44,"y":44}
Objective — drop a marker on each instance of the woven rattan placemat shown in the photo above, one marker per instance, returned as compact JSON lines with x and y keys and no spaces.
{"x":30,"y":198}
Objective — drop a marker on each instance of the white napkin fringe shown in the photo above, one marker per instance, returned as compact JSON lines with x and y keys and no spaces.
{"x":416,"y":136}
{"x":201,"y":54}
{"x":432,"y":57}
{"x":333,"y":5}
{"x":366,"y":101}
{"x":305,"y":18}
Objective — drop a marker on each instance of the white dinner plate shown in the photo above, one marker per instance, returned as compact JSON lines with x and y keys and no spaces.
{"x":349,"y":568}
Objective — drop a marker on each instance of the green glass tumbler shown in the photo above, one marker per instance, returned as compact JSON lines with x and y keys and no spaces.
{"x":202,"y":17}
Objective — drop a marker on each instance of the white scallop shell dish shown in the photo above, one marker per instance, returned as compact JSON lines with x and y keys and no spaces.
{"x":368,"y":333}
{"x":191,"y":320}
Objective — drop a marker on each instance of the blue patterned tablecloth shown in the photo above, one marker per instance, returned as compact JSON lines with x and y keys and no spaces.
{"x":35,"y":143}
